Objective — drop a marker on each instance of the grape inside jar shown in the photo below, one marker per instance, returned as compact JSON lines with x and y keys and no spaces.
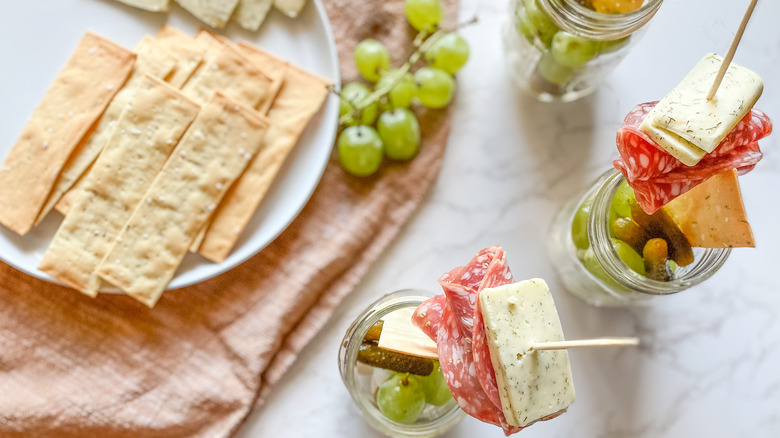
{"x":561,"y":50}
{"x":396,"y":403}
{"x":599,"y":263}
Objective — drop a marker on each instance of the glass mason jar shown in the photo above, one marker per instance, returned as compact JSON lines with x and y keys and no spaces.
{"x":600,"y":277}
{"x":560,"y":50}
{"x":361,"y":379}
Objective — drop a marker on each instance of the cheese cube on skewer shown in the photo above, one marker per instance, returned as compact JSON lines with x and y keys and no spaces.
{"x":688,"y":125}
{"x":532,"y":385}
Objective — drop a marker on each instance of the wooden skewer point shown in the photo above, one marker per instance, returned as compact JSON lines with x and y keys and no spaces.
{"x":601,"y":342}
{"x":730,"y":54}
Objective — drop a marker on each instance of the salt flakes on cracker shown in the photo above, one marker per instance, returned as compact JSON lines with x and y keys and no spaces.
{"x":79,"y":95}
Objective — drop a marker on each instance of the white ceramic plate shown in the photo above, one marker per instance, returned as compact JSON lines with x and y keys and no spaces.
{"x":38,"y":36}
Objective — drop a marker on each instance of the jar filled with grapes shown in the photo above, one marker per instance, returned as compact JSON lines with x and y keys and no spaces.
{"x":561,"y":50}
{"x":399,"y":394}
{"x":609,"y":252}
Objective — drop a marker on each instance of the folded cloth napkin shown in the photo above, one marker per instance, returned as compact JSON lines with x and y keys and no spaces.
{"x":197,"y":364}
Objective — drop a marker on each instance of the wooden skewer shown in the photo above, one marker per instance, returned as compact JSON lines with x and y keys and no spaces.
{"x":730,"y":54}
{"x":602,"y":342}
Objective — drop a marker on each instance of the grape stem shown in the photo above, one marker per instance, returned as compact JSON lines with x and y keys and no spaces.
{"x":423,"y":42}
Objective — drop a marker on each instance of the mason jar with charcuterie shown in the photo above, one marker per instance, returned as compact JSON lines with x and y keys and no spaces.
{"x":666,"y":218}
{"x":561,"y":50}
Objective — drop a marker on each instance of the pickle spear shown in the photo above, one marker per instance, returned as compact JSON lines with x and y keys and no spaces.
{"x":660,"y":224}
{"x":656,"y":255}
{"x":372,"y":355}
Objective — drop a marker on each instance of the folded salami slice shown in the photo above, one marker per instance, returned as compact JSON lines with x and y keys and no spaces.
{"x":643,"y":160}
{"x":453,"y":320}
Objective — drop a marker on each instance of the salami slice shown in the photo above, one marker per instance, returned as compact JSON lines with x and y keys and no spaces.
{"x":496,"y":274}
{"x":428,"y":315}
{"x":457,"y":349}
{"x":643,"y":159}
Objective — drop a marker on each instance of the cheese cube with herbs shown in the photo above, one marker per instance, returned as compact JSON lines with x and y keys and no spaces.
{"x":532,"y":385}
{"x":688,"y":125}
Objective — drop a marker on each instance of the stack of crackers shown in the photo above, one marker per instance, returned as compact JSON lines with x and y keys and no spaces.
{"x":152,"y":153}
{"x":250,"y":14}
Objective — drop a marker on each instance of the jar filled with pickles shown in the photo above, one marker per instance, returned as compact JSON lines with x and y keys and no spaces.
{"x":561,"y":50}
{"x":609,"y":252}
{"x":402,"y":395}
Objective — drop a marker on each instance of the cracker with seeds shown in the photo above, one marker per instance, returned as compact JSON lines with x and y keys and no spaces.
{"x":145,"y":135}
{"x":215,"y":150}
{"x":215,"y":13}
{"x":82,"y":90}
{"x":152,"y":60}
{"x":300,"y":98}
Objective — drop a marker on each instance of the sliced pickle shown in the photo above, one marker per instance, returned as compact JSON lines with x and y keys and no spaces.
{"x":372,"y":355}
{"x":660,"y":224}
{"x":628,"y":231}
{"x":656,"y":255}
{"x":373,"y":333}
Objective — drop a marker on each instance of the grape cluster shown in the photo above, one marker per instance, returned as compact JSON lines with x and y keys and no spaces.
{"x":379,"y":122}
{"x":403,"y":396}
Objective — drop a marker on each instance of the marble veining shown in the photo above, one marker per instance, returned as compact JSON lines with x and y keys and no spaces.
{"x":710,"y":359}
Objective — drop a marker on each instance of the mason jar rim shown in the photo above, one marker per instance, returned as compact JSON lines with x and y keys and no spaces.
{"x":348,"y":352}
{"x":575,"y":18}
{"x":600,"y":240}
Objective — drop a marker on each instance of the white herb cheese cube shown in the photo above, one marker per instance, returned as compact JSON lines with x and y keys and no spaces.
{"x":532,"y":384}
{"x":688,"y":125}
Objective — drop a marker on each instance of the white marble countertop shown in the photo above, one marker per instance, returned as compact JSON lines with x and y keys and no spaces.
{"x":710,"y":360}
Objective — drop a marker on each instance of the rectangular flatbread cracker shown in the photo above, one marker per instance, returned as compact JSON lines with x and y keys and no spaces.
{"x":80,"y":93}
{"x":300,"y":98}
{"x":215,"y":150}
{"x":232,"y":75}
{"x":149,"y":5}
{"x":152,"y":60}
{"x":215,"y":13}
{"x":145,"y":136}
{"x":190,"y":54}
{"x":250,"y":14}
{"x":712,"y":214}
{"x":273,"y":67}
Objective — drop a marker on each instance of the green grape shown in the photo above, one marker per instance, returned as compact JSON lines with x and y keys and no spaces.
{"x":401,"y":398}
{"x":579,"y":226}
{"x":351,"y":95}
{"x":593,"y":266}
{"x":372,"y":59}
{"x":360,"y":150}
{"x":621,"y":202}
{"x":573,"y":51}
{"x":435,"y":387}
{"x":424,"y":14}
{"x":523,"y":27}
{"x":613,"y":45}
{"x":542,"y":26}
{"x":402,"y":93}
{"x":629,"y":256}
{"x":434,"y":87}
{"x":449,"y":53}
{"x":553,"y":72}
{"x":400,"y":133}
